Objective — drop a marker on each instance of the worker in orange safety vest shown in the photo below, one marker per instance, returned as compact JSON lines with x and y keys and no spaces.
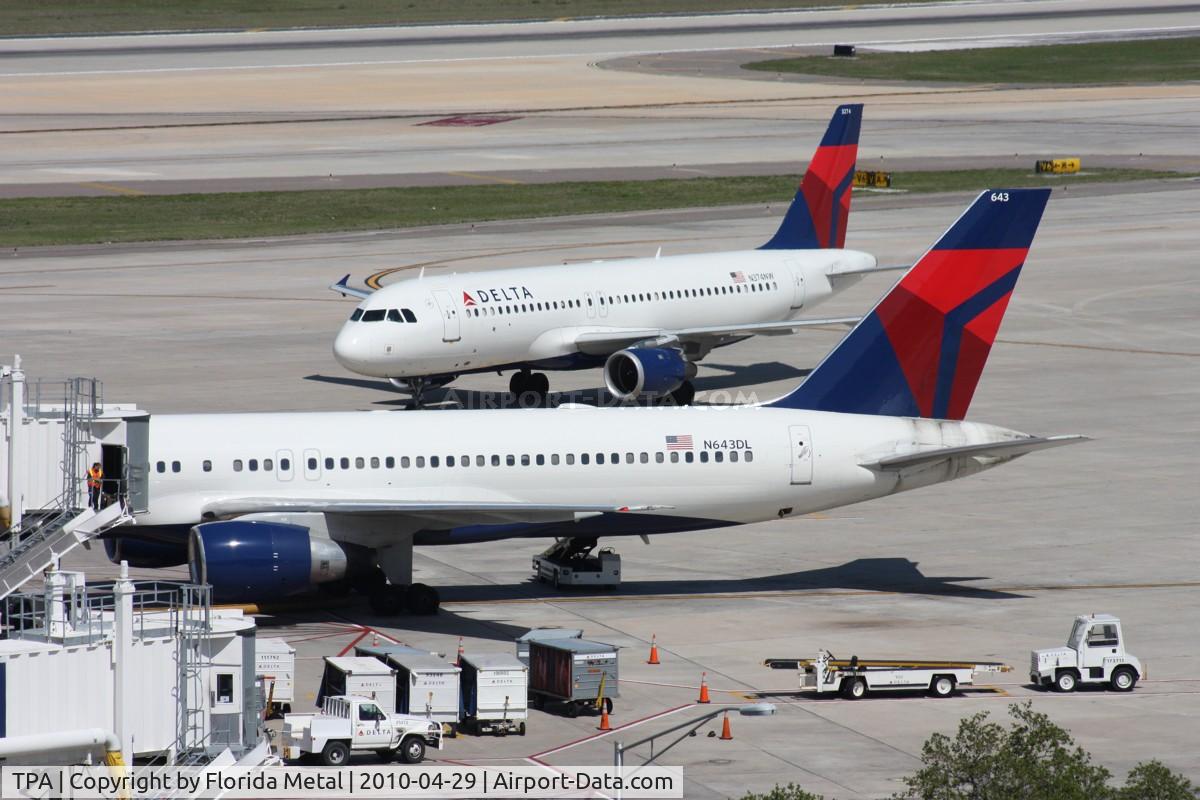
{"x":95,"y":479}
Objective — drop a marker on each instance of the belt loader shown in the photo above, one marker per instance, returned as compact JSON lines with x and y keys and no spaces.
{"x":856,"y":677}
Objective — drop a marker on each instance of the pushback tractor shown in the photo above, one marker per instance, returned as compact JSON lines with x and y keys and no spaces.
{"x":1094,"y":654}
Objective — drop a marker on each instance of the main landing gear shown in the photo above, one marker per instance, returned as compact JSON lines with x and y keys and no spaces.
{"x":684,"y":395}
{"x":523,"y":384}
{"x":388,"y":600}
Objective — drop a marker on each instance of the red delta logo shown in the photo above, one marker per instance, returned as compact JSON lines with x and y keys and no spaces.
{"x":468,"y":301}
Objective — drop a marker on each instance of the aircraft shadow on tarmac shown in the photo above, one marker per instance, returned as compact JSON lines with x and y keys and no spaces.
{"x":885,"y":575}
{"x":735,"y":379}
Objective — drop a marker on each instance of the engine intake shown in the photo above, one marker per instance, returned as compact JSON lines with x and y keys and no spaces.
{"x":636,"y":371}
{"x":249,"y":560}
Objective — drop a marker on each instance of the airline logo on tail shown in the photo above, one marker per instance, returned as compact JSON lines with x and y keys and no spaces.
{"x":921,"y":350}
{"x":819,"y":212}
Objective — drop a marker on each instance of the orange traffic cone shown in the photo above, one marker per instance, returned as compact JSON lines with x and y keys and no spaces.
{"x":653,"y":650}
{"x":726,"y":733}
{"x":703,"y":689}
{"x":458,"y":661}
{"x":604,"y":723}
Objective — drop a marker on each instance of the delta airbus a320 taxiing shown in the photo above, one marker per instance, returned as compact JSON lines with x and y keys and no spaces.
{"x":266,"y":505}
{"x":647,"y":321}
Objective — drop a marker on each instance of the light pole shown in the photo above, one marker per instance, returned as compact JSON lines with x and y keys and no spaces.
{"x":691,"y":726}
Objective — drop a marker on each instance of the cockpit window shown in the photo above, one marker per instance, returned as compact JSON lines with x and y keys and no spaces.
{"x":374,"y":315}
{"x":357,"y":315}
{"x":409,"y":316}
{"x":394,"y":315}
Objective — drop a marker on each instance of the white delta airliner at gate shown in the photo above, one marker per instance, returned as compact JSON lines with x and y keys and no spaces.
{"x":647,"y":321}
{"x":265,"y":505}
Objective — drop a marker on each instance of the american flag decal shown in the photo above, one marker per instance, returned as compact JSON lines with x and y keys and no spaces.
{"x":738,"y":277}
{"x":679,"y":442}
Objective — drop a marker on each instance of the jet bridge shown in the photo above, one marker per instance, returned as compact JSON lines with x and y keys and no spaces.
{"x":53,"y":430}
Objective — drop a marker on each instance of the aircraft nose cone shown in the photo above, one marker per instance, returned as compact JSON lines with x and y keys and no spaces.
{"x":351,"y":348}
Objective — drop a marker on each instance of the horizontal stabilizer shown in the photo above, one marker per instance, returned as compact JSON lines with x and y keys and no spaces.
{"x":344,"y":288}
{"x":838,"y":273}
{"x":1012,"y":449}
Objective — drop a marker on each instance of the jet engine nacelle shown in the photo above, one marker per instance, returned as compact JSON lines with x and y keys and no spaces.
{"x":250,"y":560}
{"x":145,"y":553}
{"x":654,"y":371}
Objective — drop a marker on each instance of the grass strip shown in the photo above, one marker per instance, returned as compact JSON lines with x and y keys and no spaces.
{"x":34,"y":221}
{"x":23,"y":17}
{"x":1140,"y":61}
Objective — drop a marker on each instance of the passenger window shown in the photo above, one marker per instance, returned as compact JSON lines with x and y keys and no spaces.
{"x":312,"y":464}
{"x":285,"y":464}
{"x":553,"y":460}
{"x":495,"y":461}
{"x":390,"y":462}
{"x":207,"y":465}
{"x":629,"y":458}
{"x":703,"y":456}
{"x":409,"y":316}
{"x":599,"y":458}
{"x":689,"y":457}
{"x":510,"y":460}
{"x":570,"y":459}
{"x":434,"y":462}
{"x":733,"y":456}
{"x":420,"y":462}
{"x":161,"y":466}
{"x":268,"y":465}
{"x":405,"y":462}
{"x":525,"y":460}
{"x":374,"y":315}
{"x":357,"y":315}
{"x":374,"y":462}
{"x":616,"y":458}
{"x":645,"y":458}
{"x":237,"y":465}
{"x":449,"y":461}
{"x":719,"y":456}
{"x":175,"y":467}
{"x":674,"y":457}
{"x":480,"y":461}
{"x":584,"y":458}
{"x":749,"y":456}
{"x":328,"y":463}
{"x":252,"y":464}
{"x":659,"y":458}
{"x":540,"y":460}
{"x":465,"y":461}
{"x":394,"y":315}
{"x":345,"y":463}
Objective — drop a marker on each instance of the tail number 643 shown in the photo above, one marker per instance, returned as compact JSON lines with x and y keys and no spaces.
{"x":999,"y":197}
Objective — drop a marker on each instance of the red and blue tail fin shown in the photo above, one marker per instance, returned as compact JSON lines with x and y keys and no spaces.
{"x":817,"y":216}
{"x":921,"y":350}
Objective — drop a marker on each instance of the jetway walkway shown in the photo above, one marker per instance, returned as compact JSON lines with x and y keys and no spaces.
{"x":52,"y":431}
{"x":40,"y":540}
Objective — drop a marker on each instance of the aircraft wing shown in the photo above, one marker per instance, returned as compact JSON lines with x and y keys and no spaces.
{"x":438,"y":512}
{"x":1012,"y":449}
{"x":344,"y":288}
{"x":608,"y":341}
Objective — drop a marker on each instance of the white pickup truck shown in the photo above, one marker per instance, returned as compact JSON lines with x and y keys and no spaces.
{"x":1095,"y":653}
{"x":348,"y":725}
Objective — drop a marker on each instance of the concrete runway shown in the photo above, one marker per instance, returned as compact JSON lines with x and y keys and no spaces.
{"x":121,"y":115}
{"x":1102,"y":338}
